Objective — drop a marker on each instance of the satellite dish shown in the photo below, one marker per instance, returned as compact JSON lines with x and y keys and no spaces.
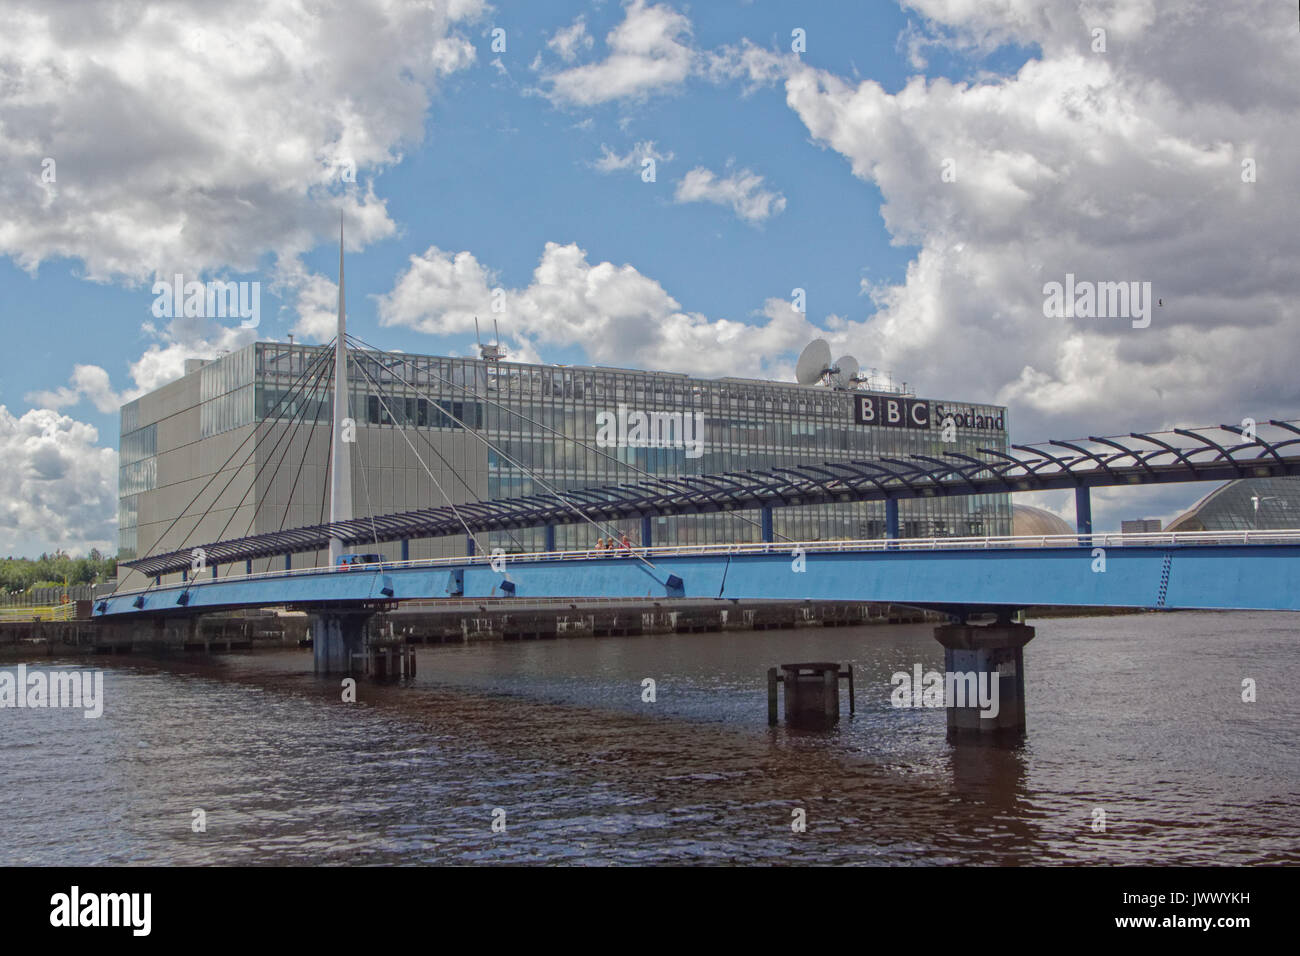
{"x":814,"y":362}
{"x":847,"y":376}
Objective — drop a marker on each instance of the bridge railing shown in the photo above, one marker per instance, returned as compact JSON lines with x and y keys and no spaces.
{"x":1096,"y":540}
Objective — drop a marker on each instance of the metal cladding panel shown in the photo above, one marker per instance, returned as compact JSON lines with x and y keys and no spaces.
{"x":601,"y":577}
{"x":1242,"y":576}
{"x":1265,"y":577}
{"x":1014,"y":576}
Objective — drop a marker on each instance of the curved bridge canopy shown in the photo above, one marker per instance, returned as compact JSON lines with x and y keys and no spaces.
{"x":1204,"y":454}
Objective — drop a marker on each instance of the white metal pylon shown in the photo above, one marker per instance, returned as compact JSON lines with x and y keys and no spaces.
{"x":340,"y":458}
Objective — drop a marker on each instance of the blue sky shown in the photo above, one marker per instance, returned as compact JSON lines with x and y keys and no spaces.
{"x":817,"y":170}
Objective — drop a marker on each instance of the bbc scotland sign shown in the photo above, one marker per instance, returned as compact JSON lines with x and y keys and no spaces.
{"x":919,"y":414}
{"x":891,"y":412}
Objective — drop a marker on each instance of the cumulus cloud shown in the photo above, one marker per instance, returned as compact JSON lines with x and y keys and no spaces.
{"x":615,"y":314}
{"x":206,"y":139}
{"x":1131,"y":164}
{"x":568,"y":41}
{"x":209,"y":135}
{"x":611,"y":162}
{"x":742,"y":190}
{"x":58,"y":489}
{"x":649,"y":52}
{"x":89,"y":382}
{"x":181,"y":339}
{"x":161,"y":362}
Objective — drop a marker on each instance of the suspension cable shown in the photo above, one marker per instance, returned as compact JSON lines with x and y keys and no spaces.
{"x":258,"y":444}
{"x":306,"y":448}
{"x":213,"y":477}
{"x":295,"y":386}
{"x":448,"y":465}
{"x":299,"y":417}
{"x":569,"y":438}
{"x":528,"y":471}
{"x":388,"y":411}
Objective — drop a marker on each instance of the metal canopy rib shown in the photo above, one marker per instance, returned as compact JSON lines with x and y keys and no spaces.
{"x":879,"y":479}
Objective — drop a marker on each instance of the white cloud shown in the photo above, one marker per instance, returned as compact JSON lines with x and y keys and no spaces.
{"x":207,"y":136}
{"x":610,"y":161}
{"x":616,"y":315}
{"x":1118,"y":166}
{"x":742,"y":190}
{"x":163,"y":360}
{"x":88,"y":381}
{"x":569,"y":40}
{"x":649,"y":52}
{"x":58,"y":489}
{"x":184,"y":339}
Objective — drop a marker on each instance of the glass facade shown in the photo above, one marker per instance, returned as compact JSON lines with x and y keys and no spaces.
{"x":226,"y":392}
{"x":543,"y":428}
{"x":1247,"y":504}
{"x":137,"y":473}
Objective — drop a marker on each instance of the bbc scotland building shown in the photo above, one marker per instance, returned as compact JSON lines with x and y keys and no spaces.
{"x":240,"y":445}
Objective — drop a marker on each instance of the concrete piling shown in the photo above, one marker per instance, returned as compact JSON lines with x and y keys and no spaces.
{"x":812,"y":693}
{"x":994,"y":655}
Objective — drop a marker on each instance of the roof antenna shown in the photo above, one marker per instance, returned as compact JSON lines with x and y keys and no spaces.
{"x":493,"y":352}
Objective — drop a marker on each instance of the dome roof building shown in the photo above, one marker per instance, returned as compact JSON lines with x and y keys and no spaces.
{"x":1026,"y":520}
{"x":1247,"y":504}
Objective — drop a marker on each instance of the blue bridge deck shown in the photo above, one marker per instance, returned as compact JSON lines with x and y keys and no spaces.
{"x":1205,"y":571}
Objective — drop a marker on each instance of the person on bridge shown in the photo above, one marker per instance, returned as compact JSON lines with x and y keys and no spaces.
{"x":624,"y":543}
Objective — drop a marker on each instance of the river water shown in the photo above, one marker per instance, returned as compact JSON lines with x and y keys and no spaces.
{"x":1140,"y":716}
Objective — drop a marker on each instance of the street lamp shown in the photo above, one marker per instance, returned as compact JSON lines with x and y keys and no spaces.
{"x":1255,"y":500}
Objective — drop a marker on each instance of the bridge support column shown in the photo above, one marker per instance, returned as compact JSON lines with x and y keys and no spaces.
{"x":995,"y":655}
{"x":406,"y":549}
{"x":1083,"y":515}
{"x":248,"y":566}
{"x":469,"y":546}
{"x":288,"y":562}
{"x":549,"y":538}
{"x":766,"y":516}
{"x":335,"y":637}
{"x":891,"y":518}
{"x":647,"y":531}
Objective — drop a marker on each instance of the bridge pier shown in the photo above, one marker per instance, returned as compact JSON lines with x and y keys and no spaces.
{"x":995,"y":654}
{"x":335,"y":637}
{"x":1083,"y":515}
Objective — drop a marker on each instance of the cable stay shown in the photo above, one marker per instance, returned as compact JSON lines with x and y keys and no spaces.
{"x":295,"y":386}
{"x":441,"y":458}
{"x":528,"y":471}
{"x":536,"y":424}
{"x":428,"y":471}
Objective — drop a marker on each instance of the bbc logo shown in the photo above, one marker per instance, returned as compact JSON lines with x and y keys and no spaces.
{"x":891,"y":412}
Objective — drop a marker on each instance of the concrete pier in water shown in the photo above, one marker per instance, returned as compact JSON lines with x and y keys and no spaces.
{"x":993,"y":653}
{"x":335,"y":637}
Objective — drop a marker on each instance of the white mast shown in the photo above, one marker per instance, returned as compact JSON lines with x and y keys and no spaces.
{"x":340,"y":459}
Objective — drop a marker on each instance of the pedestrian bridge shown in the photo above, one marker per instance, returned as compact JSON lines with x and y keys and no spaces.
{"x":1205,"y":570}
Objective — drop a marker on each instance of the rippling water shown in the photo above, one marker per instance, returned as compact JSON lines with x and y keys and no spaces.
{"x":1138,"y":715}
